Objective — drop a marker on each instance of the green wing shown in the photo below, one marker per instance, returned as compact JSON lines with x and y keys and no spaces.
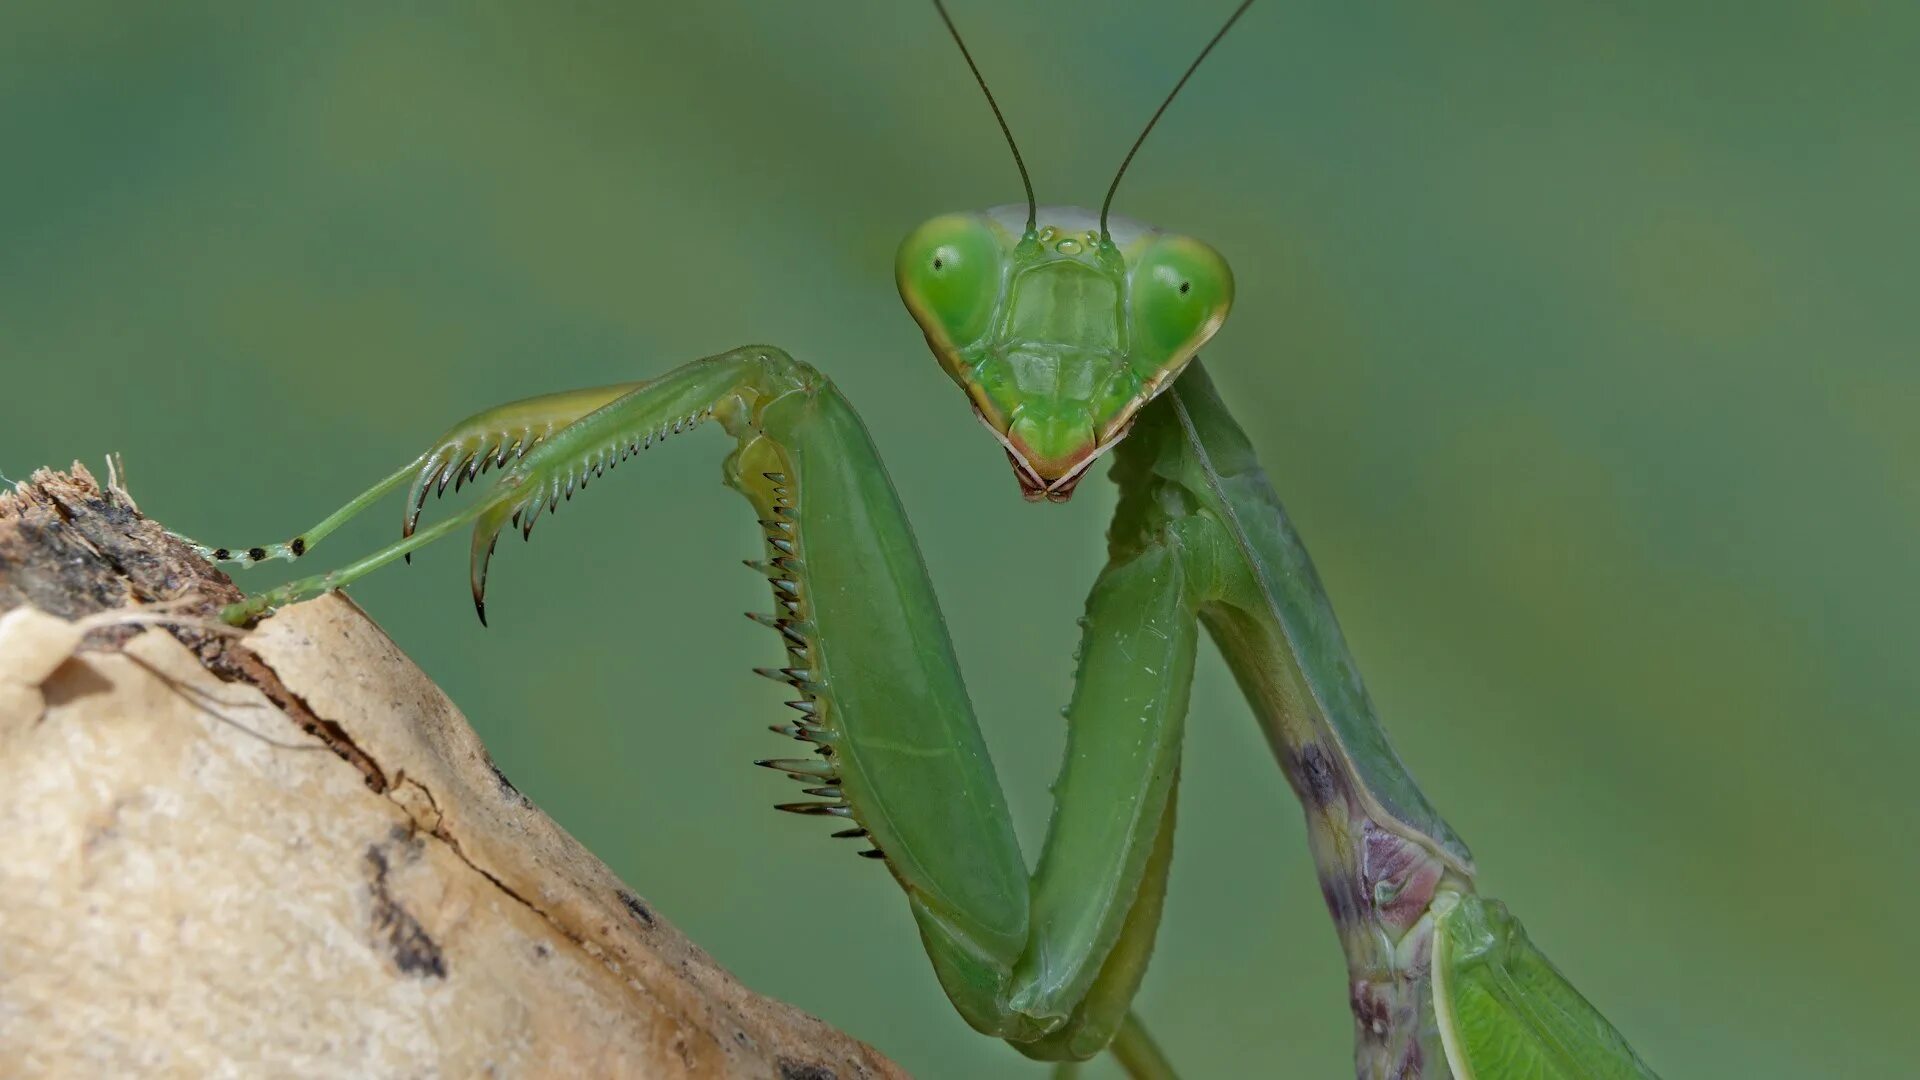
{"x":1506,"y":1013}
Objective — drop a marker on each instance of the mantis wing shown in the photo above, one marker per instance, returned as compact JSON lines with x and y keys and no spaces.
{"x":1505,"y":1011}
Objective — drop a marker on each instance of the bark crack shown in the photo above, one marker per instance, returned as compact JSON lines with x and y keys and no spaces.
{"x":432,"y":823}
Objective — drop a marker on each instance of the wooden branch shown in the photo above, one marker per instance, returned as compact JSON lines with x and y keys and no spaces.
{"x":285,"y":853}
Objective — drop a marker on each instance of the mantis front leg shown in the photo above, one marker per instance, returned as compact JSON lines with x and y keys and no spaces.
{"x":481,"y":442}
{"x":1048,"y":962}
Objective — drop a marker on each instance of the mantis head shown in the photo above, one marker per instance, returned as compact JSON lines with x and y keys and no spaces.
{"x":1063,"y":328}
{"x":1060,"y":333}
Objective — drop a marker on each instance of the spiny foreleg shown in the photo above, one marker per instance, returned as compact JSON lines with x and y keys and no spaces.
{"x":546,"y":447}
{"x":1050,"y":963}
{"x":484,"y":441}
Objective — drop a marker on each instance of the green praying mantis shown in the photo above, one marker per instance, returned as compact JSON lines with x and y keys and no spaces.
{"x":1075,"y":336}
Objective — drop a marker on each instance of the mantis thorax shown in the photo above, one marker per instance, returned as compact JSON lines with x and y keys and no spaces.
{"x":1060,"y":334}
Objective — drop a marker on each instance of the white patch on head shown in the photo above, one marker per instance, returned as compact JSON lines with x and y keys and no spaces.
{"x":1070,"y":219}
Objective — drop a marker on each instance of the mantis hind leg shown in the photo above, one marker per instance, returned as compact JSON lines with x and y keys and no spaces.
{"x":1134,"y":1050}
{"x":1138,"y":1053}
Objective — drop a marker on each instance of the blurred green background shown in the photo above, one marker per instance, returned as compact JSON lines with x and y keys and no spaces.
{"x":1579,"y":338}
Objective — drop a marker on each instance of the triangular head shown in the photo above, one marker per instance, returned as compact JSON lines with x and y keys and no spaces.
{"x":1057,"y":335}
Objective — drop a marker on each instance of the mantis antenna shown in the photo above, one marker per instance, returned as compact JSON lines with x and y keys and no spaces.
{"x":1128,"y":160}
{"x":1025,"y":181}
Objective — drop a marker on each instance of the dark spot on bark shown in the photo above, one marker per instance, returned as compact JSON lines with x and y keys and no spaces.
{"x":680,"y":1047}
{"x":113,"y":513}
{"x":256,"y":554}
{"x":542,"y":950}
{"x":100,"y":833}
{"x":635,"y":908}
{"x":395,"y":929}
{"x":506,"y":785}
{"x":75,"y":682}
{"x":800,"y":1070}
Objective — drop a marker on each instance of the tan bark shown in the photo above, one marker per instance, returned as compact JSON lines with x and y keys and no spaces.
{"x":287,"y":854}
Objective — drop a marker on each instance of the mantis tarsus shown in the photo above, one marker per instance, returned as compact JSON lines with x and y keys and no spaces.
{"x":1074,"y":335}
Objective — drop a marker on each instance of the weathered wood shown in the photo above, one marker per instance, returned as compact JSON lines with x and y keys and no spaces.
{"x":286,"y":853}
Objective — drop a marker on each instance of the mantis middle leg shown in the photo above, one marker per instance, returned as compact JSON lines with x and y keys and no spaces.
{"x":1441,"y":981}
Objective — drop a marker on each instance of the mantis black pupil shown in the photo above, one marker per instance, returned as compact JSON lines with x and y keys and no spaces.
{"x":1184,"y":286}
{"x":937,"y":264}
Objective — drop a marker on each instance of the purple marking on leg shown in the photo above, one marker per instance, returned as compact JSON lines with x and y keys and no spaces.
{"x":1399,"y":876}
{"x":1412,"y":1063}
{"x":1370,"y":1010}
{"x":1315,"y":777}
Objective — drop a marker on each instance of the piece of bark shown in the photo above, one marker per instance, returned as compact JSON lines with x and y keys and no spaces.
{"x":287,"y":854}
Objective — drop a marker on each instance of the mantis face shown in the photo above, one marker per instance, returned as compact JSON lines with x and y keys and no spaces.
{"x":1058,"y":336}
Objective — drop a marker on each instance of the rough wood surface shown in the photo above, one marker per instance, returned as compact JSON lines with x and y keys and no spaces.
{"x":287,"y":854}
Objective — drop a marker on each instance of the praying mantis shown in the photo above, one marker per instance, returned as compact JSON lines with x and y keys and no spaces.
{"x":1075,"y":336}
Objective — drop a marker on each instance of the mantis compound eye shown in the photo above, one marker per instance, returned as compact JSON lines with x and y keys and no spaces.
{"x":949,"y":271}
{"x":1181,"y":290}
